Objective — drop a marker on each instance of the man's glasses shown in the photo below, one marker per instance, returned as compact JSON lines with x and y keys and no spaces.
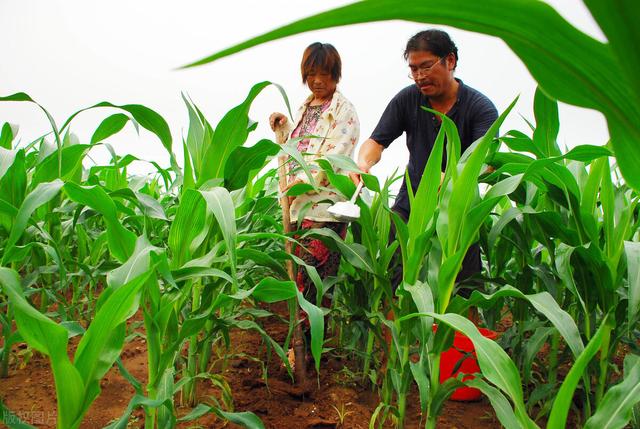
{"x":423,"y":70}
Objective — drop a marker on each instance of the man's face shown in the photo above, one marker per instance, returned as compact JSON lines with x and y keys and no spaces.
{"x":432,"y":74}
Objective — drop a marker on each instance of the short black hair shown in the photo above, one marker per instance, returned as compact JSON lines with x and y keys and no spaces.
{"x":435,"y":41}
{"x":321,"y":56}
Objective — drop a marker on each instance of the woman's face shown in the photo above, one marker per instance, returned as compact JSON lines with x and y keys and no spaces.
{"x":321,"y":84}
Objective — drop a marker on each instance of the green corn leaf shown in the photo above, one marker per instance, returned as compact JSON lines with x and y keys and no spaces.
{"x":108,"y":127}
{"x":458,"y":201}
{"x":290,"y":148}
{"x":424,"y":203}
{"x":51,"y":339}
{"x":102,"y":344}
{"x":219,"y":203}
{"x":231,"y":132}
{"x":271,"y":290}
{"x":21,"y":96}
{"x":419,"y":371}
{"x":147,"y":118}
{"x":121,"y":241}
{"x":72,"y":156}
{"x":7,"y":159}
{"x":565,"y":272}
{"x":135,"y":266}
{"x":148,"y":205}
{"x":245,"y":419}
{"x":423,"y":299}
{"x":245,"y":161}
{"x":13,"y":182}
{"x":496,"y":365}
{"x":500,"y":404}
{"x":188,"y":177}
{"x":343,"y":184}
{"x":316,"y":322}
{"x":6,"y":136}
{"x":614,"y":411}
{"x":617,"y":21}
{"x":195,"y":142}
{"x":263,"y":259}
{"x":189,"y":228}
{"x":42,"y":194}
{"x":547,"y":124}
{"x":355,"y":253}
{"x":194,"y":273}
{"x":545,"y":304}
{"x":564,"y":397}
{"x":135,"y":402}
{"x":632,"y":250}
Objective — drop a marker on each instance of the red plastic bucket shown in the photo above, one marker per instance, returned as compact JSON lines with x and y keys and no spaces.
{"x":462,"y":349}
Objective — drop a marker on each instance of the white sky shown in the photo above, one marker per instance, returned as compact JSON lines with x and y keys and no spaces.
{"x":72,"y":54}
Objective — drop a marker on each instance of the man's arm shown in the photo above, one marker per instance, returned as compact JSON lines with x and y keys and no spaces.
{"x":484,"y":116}
{"x":369,"y":155}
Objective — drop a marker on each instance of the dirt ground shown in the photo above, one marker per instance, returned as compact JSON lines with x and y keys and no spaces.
{"x":30,"y":393}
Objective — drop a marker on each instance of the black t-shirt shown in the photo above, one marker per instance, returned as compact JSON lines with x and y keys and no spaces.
{"x":473,"y":114}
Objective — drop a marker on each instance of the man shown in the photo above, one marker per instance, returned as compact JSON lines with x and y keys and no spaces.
{"x":432,"y":58}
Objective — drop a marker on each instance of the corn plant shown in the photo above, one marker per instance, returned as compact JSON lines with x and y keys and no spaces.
{"x":583,"y":229}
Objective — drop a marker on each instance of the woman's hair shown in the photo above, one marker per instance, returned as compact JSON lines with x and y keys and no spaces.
{"x":321,"y":56}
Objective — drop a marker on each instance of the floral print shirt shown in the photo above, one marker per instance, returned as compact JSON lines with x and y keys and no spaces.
{"x":337,"y":129}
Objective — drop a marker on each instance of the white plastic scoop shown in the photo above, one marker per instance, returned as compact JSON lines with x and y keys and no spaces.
{"x":347,"y":211}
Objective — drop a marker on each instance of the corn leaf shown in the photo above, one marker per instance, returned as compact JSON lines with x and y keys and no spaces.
{"x":108,"y":127}
{"x":219,"y":203}
{"x":6,"y":136}
{"x":189,"y":228}
{"x":564,"y":397}
{"x":51,"y":339}
{"x":231,"y":132}
{"x":245,"y":161}
{"x":494,"y":362}
{"x":614,"y":411}
{"x":42,"y":194}
{"x":500,"y":404}
{"x":121,"y":241}
{"x":632,"y":250}
{"x":72,"y":156}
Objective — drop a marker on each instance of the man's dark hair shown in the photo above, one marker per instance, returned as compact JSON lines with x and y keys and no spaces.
{"x":435,"y":41}
{"x":323,"y":57}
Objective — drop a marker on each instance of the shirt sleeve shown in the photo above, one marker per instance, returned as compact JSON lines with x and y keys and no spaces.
{"x":391,"y":123}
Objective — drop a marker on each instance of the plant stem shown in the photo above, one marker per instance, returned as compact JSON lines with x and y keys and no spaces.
{"x":604,"y":367}
{"x":367,"y":355}
{"x":553,"y":357}
{"x":434,"y":383}
{"x":192,"y":361}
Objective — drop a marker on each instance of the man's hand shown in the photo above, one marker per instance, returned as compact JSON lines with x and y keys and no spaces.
{"x":369,"y":154}
{"x":276,"y":120}
{"x":364,"y":168}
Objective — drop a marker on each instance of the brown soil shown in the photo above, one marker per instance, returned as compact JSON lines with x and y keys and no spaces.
{"x":30,"y":393}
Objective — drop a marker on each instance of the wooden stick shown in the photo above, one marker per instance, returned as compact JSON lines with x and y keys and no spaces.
{"x":299,"y":351}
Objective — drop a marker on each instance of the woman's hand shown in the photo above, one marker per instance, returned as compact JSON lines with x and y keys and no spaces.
{"x":276,"y":120}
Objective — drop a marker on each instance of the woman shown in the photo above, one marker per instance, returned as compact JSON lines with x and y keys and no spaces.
{"x":329,"y":116}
